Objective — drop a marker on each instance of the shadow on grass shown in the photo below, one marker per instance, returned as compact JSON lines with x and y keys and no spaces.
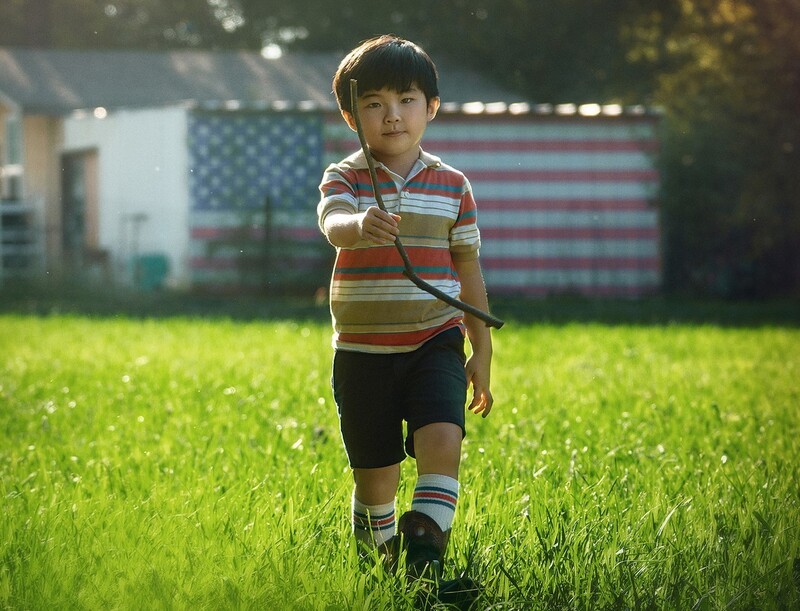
{"x":119,"y":302}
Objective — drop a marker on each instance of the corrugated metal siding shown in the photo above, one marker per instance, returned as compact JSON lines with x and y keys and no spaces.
{"x":565,"y":203}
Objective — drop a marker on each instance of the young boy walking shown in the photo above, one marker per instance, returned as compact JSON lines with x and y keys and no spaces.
{"x":399,"y":356}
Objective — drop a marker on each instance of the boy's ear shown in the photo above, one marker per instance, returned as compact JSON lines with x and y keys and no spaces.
{"x":349,"y":119}
{"x":433,"y":107}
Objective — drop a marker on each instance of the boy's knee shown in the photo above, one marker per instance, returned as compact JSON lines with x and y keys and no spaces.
{"x":376,"y":486}
{"x":444,"y":436}
{"x":438,"y":448}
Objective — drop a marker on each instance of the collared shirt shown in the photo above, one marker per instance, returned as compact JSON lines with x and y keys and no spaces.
{"x":375,"y":308}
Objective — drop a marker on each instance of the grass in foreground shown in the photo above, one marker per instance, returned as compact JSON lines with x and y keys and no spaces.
{"x":193,"y":463}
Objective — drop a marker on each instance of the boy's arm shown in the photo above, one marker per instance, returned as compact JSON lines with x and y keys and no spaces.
{"x":344,"y":229}
{"x":478,"y":367}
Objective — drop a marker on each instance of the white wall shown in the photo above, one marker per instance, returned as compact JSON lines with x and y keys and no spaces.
{"x":143,"y":171}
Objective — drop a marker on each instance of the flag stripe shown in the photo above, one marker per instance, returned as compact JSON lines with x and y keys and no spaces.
{"x":561,"y":175}
{"x":534,"y":204}
{"x":505,"y":146}
{"x":582,"y":233}
{"x":571,"y":263}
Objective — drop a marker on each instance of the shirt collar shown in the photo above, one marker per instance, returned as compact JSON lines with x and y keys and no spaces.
{"x":358,"y":161}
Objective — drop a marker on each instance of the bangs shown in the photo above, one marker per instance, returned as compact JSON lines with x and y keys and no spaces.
{"x":395,"y":67}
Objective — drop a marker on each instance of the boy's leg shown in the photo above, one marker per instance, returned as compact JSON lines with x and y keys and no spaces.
{"x":438,"y":449}
{"x":372,"y":431}
{"x":429,"y":523}
{"x":374,"y":508}
{"x":426,"y":528}
{"x":377,"y":486}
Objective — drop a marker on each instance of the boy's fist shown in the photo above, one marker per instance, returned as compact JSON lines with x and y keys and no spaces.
{"x":378,"y":226}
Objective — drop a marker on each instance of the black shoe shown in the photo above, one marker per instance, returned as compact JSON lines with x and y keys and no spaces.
{"x":425,"y":545}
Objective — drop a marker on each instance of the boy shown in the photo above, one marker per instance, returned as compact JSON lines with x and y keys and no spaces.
{"x":399,"y":352}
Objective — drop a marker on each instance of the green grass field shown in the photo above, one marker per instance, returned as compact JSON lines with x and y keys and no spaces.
{"x":196,"y":463}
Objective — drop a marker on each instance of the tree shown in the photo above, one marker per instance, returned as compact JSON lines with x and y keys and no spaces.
{"x":729,"y":82}
{"x":553,"y":50}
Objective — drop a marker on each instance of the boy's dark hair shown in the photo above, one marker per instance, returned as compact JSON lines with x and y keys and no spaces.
{"x":385,"y":62}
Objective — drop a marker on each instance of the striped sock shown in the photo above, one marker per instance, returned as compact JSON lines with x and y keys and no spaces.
{"x":436,"y":496}
{"x":373,"y":525}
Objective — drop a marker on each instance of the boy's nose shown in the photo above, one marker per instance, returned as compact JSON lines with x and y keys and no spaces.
{"x":392,"y":114}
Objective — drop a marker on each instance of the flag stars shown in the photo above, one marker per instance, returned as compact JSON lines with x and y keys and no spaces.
{"x":240,"y":159}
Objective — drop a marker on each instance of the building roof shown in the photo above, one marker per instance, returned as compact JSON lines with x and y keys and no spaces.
{"x":59,"y":81}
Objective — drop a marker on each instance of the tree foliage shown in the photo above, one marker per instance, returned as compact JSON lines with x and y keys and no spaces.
{"x":725,"y":72}
{"x":729,"y":81}
{"x":554,"y":50}
{"x":110,"y":24}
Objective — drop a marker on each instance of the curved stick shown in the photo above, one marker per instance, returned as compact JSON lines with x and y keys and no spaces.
{"x":408,"y":268}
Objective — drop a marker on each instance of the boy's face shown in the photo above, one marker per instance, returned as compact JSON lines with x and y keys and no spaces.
{"x":393,"y":124}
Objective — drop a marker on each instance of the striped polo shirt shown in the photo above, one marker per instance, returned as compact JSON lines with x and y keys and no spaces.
{"x":374,"y":307}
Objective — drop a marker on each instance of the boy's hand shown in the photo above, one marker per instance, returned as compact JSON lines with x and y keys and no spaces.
{"x":479,"y":365}
{"x":477,"y":370}
{"x":377,"y":226}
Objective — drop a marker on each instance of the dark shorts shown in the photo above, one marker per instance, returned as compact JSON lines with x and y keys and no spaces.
{"x":377,"y":393}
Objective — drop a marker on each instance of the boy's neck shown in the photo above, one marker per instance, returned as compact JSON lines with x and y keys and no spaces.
{"x":401,"y":165}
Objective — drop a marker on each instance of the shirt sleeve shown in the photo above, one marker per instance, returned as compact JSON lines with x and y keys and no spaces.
{"x":465,"y":238}
{"x":337,"y":194}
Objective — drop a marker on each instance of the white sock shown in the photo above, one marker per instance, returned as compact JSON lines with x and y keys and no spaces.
{"x":373,"y":525}
{"x":436,"y":496}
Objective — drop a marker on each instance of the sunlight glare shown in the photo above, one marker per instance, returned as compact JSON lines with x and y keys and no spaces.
{"x":271,"y":51}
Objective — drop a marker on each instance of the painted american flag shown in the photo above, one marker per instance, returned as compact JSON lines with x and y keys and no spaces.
{"x":565,"y":203}
{"x":253,"y":181}
{"x":237,"y":159}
